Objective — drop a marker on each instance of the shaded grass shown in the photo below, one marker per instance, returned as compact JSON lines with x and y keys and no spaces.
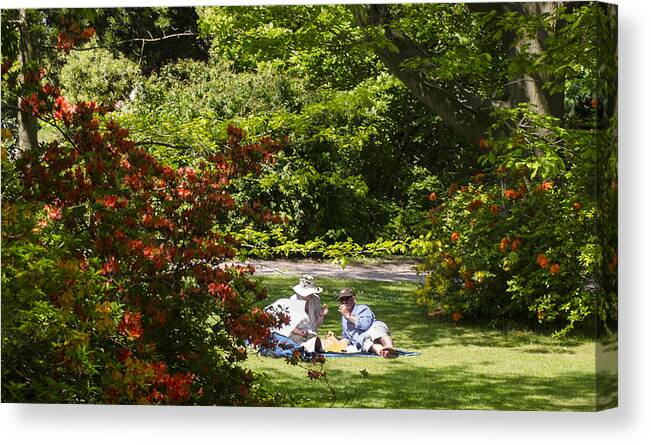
{"x":461,"y":366}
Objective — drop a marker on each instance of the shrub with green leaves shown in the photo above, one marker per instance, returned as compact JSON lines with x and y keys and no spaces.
{"x":97,"y":74}
{"x":519,"y":242}
{"x":351,"y":155}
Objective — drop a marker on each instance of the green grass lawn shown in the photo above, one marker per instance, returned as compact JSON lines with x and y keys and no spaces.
{"x":460,"y":366}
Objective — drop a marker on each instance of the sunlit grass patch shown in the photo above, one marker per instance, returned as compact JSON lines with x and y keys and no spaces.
{"x":460,"y":367}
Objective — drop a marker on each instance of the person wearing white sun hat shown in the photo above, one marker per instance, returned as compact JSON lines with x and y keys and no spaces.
{"x":307,"y":290}
{"x":304,"y":316}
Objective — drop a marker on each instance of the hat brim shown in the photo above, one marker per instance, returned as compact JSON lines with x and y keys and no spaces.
{"x":305,"y":291}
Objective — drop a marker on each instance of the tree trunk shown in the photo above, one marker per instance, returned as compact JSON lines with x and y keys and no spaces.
{"x":529,"y":88}
{"x":27,"y":124}
{"x":465,"y":112}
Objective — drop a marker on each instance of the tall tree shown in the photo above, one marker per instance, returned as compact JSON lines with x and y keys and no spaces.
{"x":523,"y":32}
{"x":27,"y":124}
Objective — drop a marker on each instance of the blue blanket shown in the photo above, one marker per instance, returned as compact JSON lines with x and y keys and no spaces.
{"x":281,"y":346}
{"x":401,"y":353}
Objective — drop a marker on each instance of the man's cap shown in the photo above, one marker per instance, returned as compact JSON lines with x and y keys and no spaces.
{"x":345,"y":293}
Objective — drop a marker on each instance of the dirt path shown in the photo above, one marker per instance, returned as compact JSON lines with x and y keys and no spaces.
{"x":398,"y":269}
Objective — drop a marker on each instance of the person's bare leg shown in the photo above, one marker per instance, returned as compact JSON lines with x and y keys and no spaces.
{"x":387,"y":350}
{"x":387,"y":342}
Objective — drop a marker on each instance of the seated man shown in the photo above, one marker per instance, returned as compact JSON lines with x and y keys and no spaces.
{"x":361,"y":329}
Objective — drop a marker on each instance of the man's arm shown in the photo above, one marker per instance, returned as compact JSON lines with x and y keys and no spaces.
{"x":364,"y":318}
{"x":344,"y":331}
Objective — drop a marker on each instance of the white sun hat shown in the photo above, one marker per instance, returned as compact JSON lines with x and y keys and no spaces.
{"x":306,"y":286}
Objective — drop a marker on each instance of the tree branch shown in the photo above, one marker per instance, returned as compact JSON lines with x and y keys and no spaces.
{"x":163,"y":144}
{"x":466,"y":113}
{"x":60,"y":130}
{"x":158,"y":39}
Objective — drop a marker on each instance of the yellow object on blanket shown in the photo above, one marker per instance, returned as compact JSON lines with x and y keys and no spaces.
{"x":331,"y":344}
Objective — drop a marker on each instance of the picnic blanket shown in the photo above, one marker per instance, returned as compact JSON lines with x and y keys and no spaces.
{"x":282,"y":346}
{"x":401,"y":353}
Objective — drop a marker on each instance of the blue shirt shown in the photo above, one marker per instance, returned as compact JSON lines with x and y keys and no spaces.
{"x":364,"y":318}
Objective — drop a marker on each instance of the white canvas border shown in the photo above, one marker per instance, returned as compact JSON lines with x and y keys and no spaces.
{"x":630,"y":423}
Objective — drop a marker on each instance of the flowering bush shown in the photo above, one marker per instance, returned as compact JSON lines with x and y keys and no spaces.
{"x":519,"y":241}
{"x":115,"y":280}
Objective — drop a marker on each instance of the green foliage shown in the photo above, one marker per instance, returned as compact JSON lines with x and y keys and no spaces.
{"x":165,"y":108}
{"x":275,"y":242}
{"x":460,"y":46}
{"x":97,"y":74}
{"x":47,"y":355}
{"x":518,"y":243}
{"x":125,"y":28}
{"x":318,"y":43}
{"x":340,"y":175}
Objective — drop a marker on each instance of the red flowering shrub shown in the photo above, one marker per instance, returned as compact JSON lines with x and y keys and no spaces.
{"x":116,"y":283}
{"x":506,"y":265}
{"x":71,"y":34}
{"x":521,"y":248}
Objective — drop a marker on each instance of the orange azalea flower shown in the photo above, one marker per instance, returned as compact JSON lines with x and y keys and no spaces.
{"x":577,"y":206}
{"x":468,"y":284}
{"x":515,"y":245}
{"x":453,"y":189}
{"x":454,"y":237}
{"x":183,"y":192}
{"x":494,"y":209}
{"x":432,"y":196}
{"x":130,"y":325}
{"x":546,"y":185}
{"x":109,"y":201}
{"x":503,"y":243}
{"x":554,"y":268}
{"x":449,"y":262}
{"x":594,"y":104}
{"x":510,"y":194}
{"x":475,"y":204}
{"x":542,"y":260}
{"x":522,"y":189}
{"x":53,"y":212}
{"x":456,"y":316}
